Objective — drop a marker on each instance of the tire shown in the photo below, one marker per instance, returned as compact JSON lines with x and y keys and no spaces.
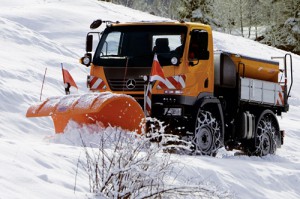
{"x":267,"y":131}
{"x":207,"y":135}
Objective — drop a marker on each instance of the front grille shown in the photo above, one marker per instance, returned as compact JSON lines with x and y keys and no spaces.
{"x":120,"y":84}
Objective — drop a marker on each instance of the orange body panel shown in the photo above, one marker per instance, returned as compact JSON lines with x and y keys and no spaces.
{"x":256,"y":69}
{"x":107,"y":108}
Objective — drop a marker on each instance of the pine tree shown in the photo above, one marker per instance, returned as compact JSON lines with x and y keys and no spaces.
{"x":285,"y":31}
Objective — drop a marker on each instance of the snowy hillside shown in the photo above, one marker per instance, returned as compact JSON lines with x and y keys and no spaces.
{"x":36,"y":163}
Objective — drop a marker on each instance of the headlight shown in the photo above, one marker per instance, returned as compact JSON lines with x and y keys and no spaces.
{"x":173,"y":111}
{"x":174,"y":61}
{"x":86,"y":60}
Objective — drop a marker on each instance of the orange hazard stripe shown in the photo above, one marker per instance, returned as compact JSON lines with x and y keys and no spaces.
{"x":95,"y":81}
{"x":281,"y":98}
{"x":173,"y":83}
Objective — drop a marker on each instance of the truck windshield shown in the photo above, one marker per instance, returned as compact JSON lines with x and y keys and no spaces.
{"x":135,"y":46}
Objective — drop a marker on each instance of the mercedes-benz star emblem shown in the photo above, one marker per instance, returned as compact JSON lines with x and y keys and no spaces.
{"x":130,"y":84}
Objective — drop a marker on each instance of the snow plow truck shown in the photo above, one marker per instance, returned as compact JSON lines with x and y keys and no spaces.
{"x":210,"y":98}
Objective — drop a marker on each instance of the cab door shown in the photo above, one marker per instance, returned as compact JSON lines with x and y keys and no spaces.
{"x":200,"y":66}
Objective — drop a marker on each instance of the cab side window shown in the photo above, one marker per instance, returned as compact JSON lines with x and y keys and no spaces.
{"x":198,"y":49}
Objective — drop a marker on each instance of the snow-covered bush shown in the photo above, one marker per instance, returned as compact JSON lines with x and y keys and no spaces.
{"x":129,"y":165}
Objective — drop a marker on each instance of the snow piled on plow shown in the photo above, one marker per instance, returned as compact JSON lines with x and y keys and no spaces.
{"x":76,"y":135}
{"x":35,"y":163}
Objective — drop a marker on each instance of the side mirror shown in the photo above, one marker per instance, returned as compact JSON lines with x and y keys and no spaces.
{"x":89,"y":43}
{"x":96,"y":24}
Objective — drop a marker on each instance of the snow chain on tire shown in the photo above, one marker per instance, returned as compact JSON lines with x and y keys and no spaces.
{"x":265,"y":142}
{"x":207,"y":136}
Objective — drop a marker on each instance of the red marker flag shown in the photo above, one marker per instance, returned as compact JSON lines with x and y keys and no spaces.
{"x":156,"y":72}
{"x":68,"y":78}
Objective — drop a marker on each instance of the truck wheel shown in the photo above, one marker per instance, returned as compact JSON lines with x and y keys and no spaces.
{"x":266,"y":131}
{"x":207,"y":137}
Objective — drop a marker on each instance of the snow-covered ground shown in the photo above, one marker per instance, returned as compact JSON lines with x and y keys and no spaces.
{"x":36,"y":163}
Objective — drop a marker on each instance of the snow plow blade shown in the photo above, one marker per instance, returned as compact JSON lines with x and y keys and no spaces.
{"x":106,"y":108}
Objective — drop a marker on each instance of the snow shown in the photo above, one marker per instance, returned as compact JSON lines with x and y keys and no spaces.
{"x":36,"y":163}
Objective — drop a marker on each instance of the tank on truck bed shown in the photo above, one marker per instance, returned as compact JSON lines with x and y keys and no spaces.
{"x":258,"y":77}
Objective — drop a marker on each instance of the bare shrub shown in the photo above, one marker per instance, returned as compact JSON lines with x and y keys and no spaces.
{"x":129,"y":165}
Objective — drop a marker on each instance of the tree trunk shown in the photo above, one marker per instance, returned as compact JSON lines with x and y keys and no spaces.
{"x":241,"y":19}
{"x":255,"y":31}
